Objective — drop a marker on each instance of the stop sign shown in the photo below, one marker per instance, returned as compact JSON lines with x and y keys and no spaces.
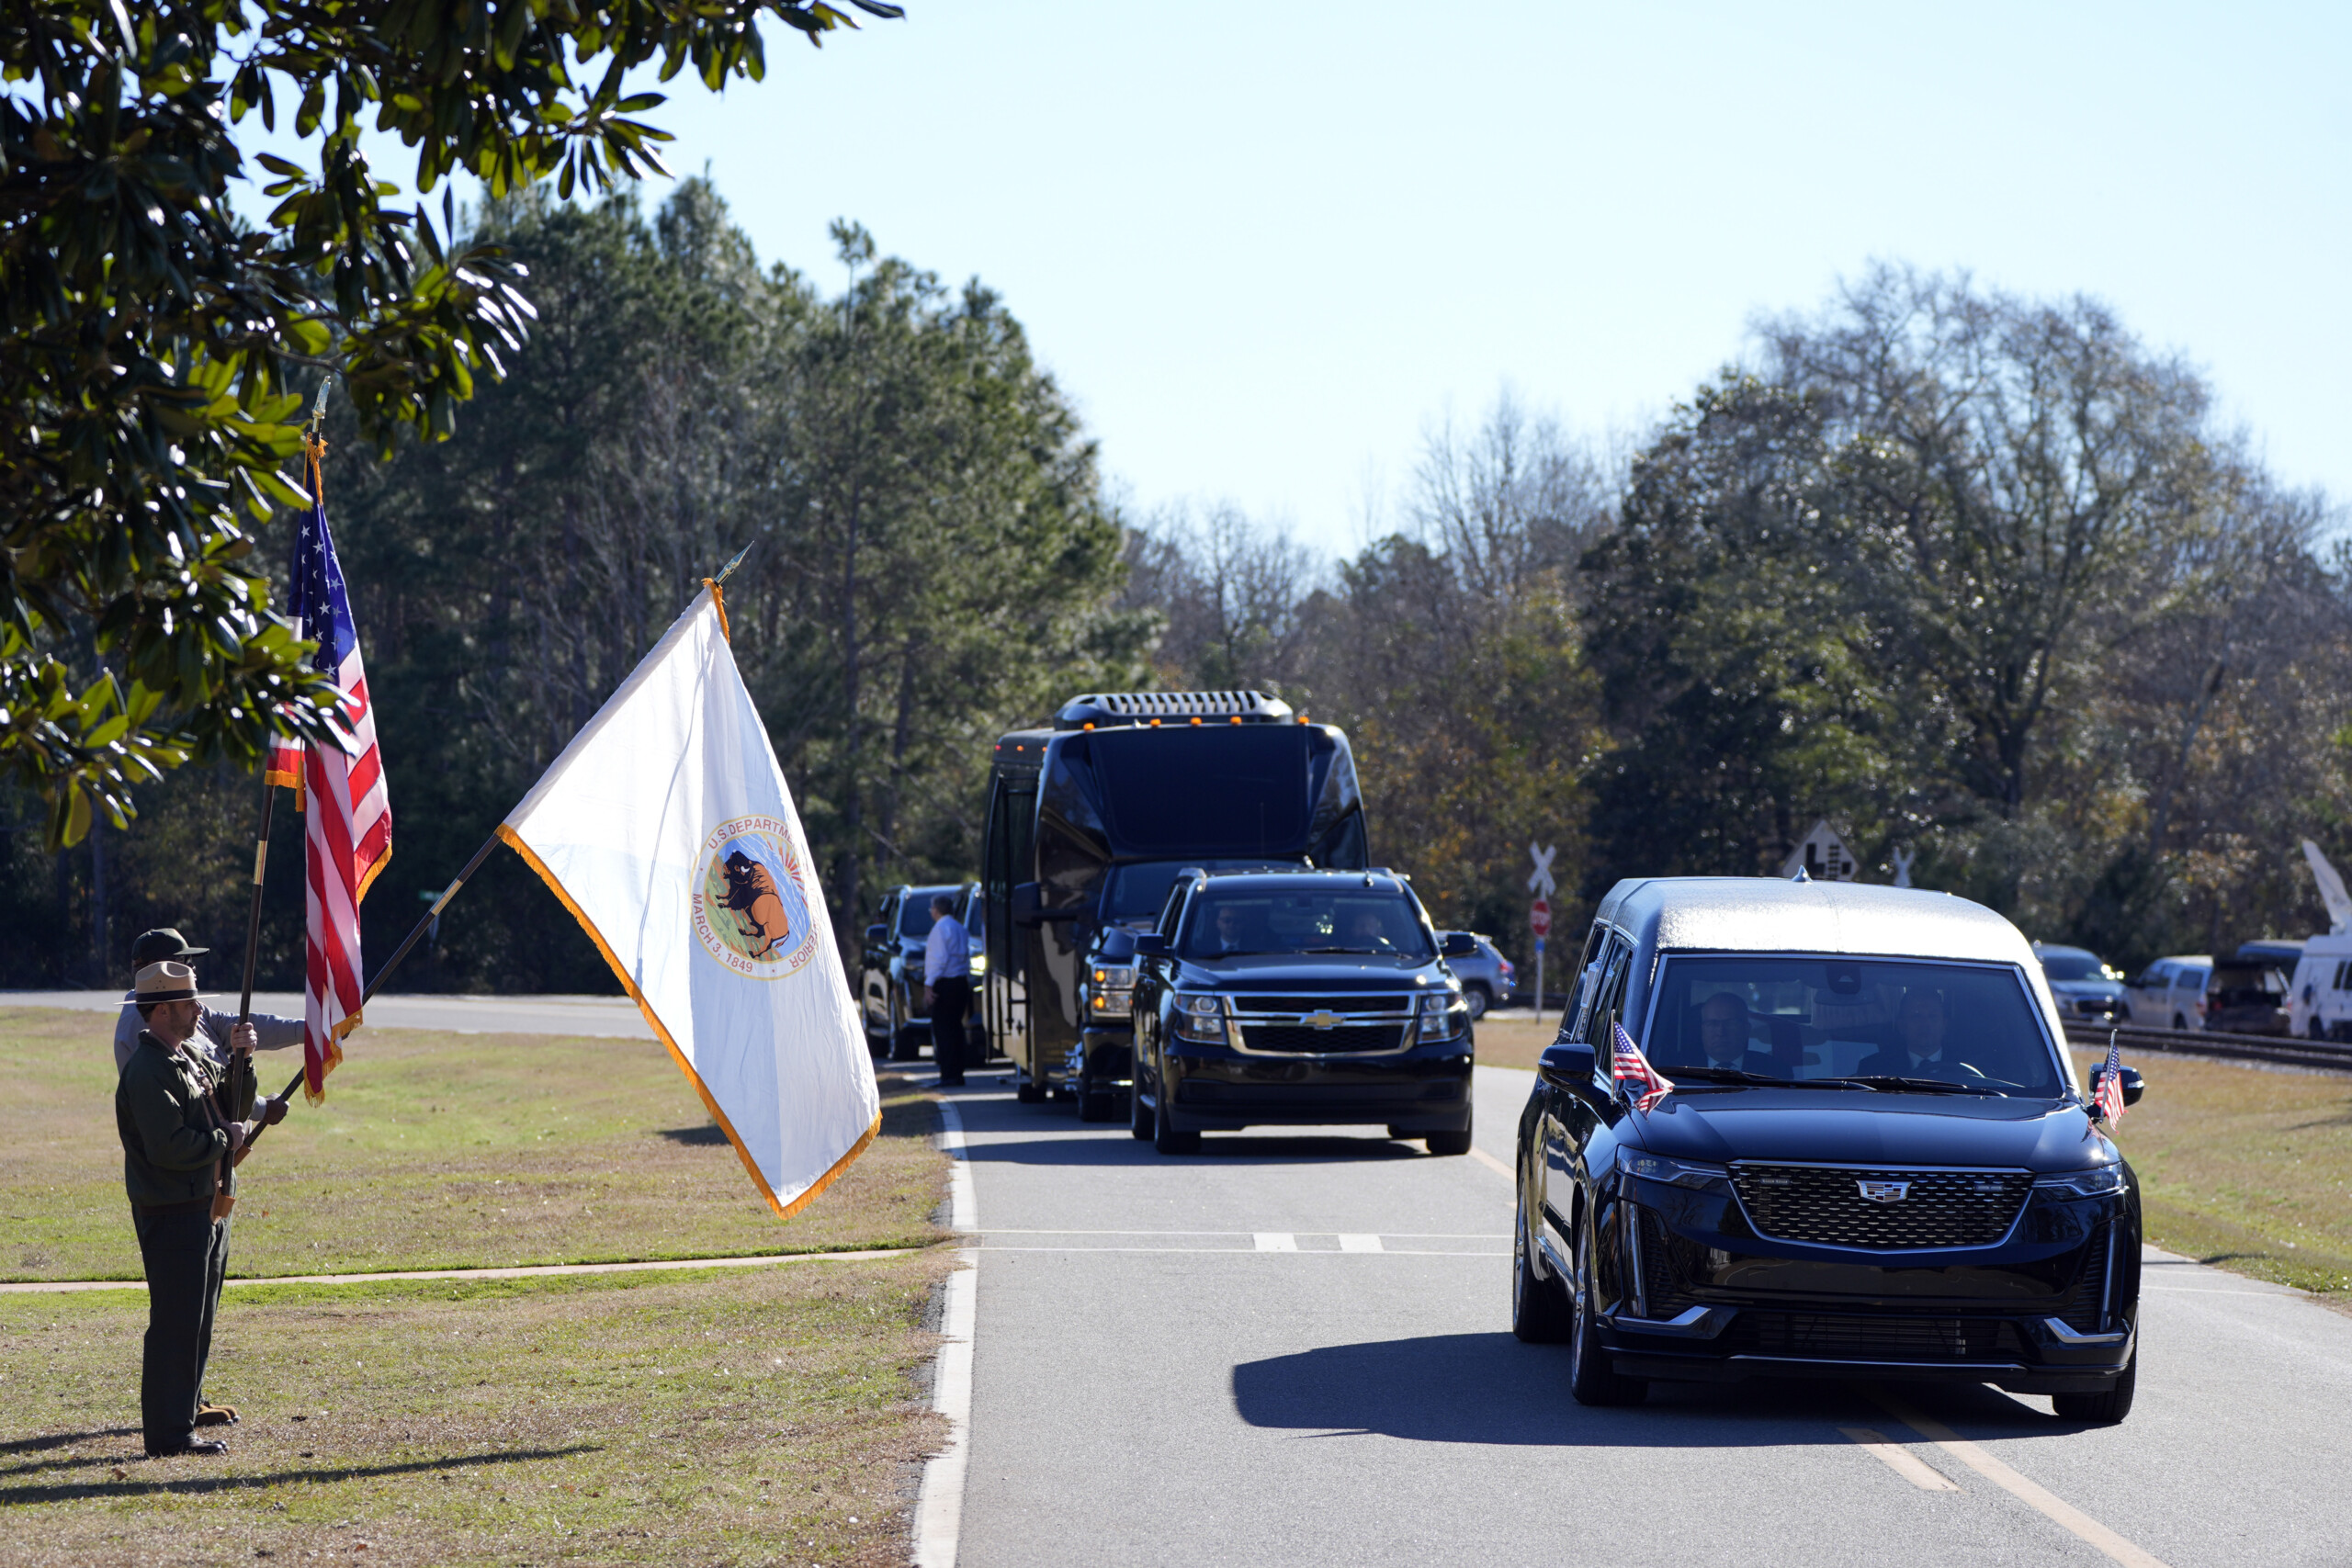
{"x":1539,"y":917}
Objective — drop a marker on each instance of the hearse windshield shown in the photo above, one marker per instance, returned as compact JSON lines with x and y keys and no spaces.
{"x":1967,"y":1027}
{"x":1355,"y":920}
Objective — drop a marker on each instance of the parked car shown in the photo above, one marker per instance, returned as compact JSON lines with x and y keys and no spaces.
{"x":2169,"y":993}
{"x":1300,"y":998}
{"x":2083,"y":984}
{"x":890,"y":981}
{"x":1874,"y":1160}
{"x":2319,"y":1003}
{"x":2248,"y":991}
{"x":1488,"y":979}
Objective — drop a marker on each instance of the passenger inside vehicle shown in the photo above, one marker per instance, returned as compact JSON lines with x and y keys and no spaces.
{"x":1385,"y":925}
{"x":1835,"y":1021}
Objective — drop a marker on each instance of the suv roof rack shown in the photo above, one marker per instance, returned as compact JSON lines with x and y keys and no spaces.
{"x":1106,"y":709}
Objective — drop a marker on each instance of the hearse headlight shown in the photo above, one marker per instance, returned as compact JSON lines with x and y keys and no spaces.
{"x":1444,"y":1016}
{"x":1199,"y":1018}
{"x":1673,"y":1172}
{"x":1110,"y":991}
{"x":2101,"y":1181}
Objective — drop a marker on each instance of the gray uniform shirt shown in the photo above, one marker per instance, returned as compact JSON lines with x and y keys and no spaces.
{"x":211,"y":1032}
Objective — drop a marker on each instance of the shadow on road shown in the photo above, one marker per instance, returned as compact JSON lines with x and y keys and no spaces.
{"x":1229,"y":1148}
{"x":1489,"y":1388}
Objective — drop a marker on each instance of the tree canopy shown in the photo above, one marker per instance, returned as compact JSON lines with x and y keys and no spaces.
{"x":155,"y":346}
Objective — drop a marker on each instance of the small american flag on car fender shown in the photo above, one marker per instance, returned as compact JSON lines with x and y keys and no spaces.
{"x":1628,"y":1066}
{"x":2108,"y":1095}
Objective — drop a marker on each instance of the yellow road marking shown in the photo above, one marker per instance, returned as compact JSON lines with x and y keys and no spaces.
{"x":2051,"y":1507}
{"x":1901,"y":1460}
{"x":1490,"y":1162}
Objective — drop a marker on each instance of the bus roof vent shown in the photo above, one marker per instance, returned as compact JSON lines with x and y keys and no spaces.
{"x":1106,"y":709}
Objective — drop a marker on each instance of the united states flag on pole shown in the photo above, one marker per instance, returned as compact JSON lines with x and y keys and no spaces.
{"x":1628,"y":1066}
{"x":2108,"y":1095}
{"x":339,"y":788}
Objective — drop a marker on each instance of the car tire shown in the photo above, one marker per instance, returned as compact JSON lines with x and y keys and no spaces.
{"x":1591,"y":1380}
{"x":2178,"y":1021}
{"x":1448,"y":1143}
{"x":2318,"y":1030}
{"x":1166,"y":1140}
{"x":1479,"y":1000}
{"x":1095,"y":1104}
{"x":1026,"y":1089}
{"x":1139,"y":1117}
{"x":2100,"y":1409}
{"x":1540,"y":1311}
{"x":906,"y":1045}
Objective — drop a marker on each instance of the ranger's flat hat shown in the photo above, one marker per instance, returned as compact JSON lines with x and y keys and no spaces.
{"x":168,"y":982}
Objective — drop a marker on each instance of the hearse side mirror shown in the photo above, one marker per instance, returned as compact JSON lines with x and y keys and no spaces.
{"x":1566,"y":1064}
{"x":876,"y":933}
{"x":2133,"y":1084}
{"x":1149,"y":944}
{"x":1459,"y":944}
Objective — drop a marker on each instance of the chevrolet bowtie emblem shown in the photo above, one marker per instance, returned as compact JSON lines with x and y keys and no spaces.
{"x":1884,"y":1192}
{"x":1327,"y":1018}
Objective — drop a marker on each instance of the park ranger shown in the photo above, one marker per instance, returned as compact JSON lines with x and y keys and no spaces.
{"x":211,"y":1043}
{"x":181,"y":1123}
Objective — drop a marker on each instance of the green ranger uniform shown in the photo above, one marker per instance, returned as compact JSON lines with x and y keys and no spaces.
{"x":169,"y":1110}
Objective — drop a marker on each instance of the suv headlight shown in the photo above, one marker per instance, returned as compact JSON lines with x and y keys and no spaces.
{"x":1110,"y":991}
{"x":2101,"y":1181}
{"x":1199,"y":1018}
{"x":1444,"y":1016}
{"x":1673,"y":1172}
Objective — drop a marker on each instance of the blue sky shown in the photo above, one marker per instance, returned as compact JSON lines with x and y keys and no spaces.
{"x":1264,"y":248}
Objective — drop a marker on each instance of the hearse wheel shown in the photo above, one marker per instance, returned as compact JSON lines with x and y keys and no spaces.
{"x":1591,"y":1377}
{"x":2100,"y":1409}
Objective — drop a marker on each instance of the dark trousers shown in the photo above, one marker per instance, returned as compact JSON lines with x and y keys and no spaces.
{"x":178,"y":1252}
{"x":216,"y":1269}
{"x":951,"y":999}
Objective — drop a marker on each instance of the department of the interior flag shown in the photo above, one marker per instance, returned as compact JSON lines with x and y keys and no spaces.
{"x":666,"y":828}
{"x":339,"y":785}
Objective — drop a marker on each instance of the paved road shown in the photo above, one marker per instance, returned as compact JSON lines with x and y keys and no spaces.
{"x":1295,"y":1350}
{"x":614,"y":1017}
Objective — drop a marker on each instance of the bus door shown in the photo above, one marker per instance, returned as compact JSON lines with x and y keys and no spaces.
{"x":1011,"y":830}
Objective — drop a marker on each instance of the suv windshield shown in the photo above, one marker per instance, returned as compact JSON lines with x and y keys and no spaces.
{"x":1137,"y":892}
{"x":914,"y":916}
{"x":2062,"y":965}
{"x":1359,"y":920}
{"x":1970,"y":1026}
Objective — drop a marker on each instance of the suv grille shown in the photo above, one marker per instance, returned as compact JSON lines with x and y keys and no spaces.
{"x":1835,"y":1336}
{"x":1824,"y":1205}
{"x":1255,"y":1004}
{"x":1305,"y":1041}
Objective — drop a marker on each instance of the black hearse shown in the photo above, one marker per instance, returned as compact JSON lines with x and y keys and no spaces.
{"x":1299,"y":999}
{"x":1876,"y":1161}
{"x":1087,"y":824}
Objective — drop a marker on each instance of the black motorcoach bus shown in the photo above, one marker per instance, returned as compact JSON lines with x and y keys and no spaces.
{"x":1089,"y":823}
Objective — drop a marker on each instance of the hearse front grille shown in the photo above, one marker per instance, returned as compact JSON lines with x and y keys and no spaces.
{"x":1825,"y":1205}
{"x":1841,"y":1337}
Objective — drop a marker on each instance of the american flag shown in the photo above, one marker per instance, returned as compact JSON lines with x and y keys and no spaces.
{"x":347,"y":832}
{"x":1628,"y":1066}
{"x":2108,"y":1095}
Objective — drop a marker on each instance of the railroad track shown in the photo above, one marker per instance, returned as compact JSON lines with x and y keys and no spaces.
{"x":2327,"y":1054}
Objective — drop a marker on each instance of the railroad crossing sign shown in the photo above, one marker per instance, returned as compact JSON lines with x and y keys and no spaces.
{"x":1539,"y":918}
{"x":1540,"y":883}
{"x":1823,"y":856}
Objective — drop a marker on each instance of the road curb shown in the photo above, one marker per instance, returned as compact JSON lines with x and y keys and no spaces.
{"x":939,"y":1508}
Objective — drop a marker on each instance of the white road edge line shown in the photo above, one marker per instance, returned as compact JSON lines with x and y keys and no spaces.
{"x":2048,"y":1505}
{"x":939,"y":1508}
{"x":1901,"y":1460}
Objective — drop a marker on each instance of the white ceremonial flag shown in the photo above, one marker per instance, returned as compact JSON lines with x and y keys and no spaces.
{"x":666,"y":828}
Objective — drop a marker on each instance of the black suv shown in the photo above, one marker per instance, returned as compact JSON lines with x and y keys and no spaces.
{"x":1876,"y":1161}
{"x":1300,"y":999}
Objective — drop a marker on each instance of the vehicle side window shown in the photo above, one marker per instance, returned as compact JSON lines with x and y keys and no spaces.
{"x":1171,"y":911}
{"x":1608,"y":996}
{"x":1580,"y":984}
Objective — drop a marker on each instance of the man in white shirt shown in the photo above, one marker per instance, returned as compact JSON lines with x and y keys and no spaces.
{"x":947,"y":989}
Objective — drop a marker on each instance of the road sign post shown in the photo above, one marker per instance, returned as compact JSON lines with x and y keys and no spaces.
{"x":1539,"y":914}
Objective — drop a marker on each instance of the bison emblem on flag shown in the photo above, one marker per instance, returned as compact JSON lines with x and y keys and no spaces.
{"x":751,"y":912}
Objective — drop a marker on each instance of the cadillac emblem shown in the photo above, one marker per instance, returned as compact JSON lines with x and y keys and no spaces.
{"x":1884,"y":1192}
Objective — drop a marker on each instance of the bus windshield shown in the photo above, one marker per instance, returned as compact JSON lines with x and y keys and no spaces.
{"x":1136,"y":891}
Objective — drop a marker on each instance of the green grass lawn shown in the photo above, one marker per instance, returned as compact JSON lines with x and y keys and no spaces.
{"x":435,"y":1151}
{"x":741,"y":1416}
